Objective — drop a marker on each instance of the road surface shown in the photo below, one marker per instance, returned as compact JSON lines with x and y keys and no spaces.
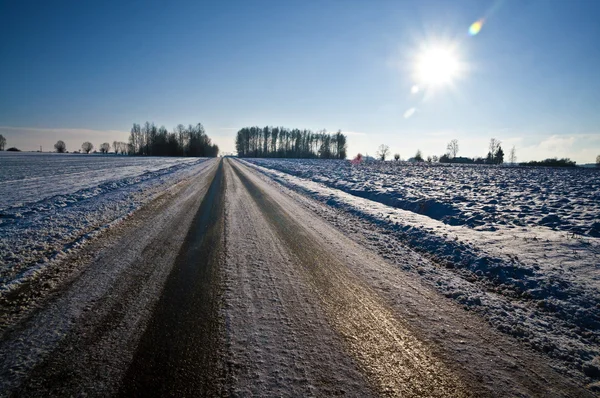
{"x":227,"y":285}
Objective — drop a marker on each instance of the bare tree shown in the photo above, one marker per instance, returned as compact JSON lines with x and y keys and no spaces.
{"x":105,"y":147}
{"x":87,"y":147}
{"x":598,"y":161}
{"x":452,"y":148}
{"x":397,"y":157}
{"x":2,"y":142}
{"x":512,"y":157}
{"x":435,"y":159}
{"x":60,"y":146}
{"x":383,"y":151}
{"x":116,"y":146}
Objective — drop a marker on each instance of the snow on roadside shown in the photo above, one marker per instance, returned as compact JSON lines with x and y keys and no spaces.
{"x":35,"y":232}
{"x":541,"y":286}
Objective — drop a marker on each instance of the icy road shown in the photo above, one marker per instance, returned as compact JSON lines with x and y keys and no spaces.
{"x":227,"y":284}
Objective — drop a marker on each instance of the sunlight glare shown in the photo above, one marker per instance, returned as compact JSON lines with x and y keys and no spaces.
{"x":437,"y":66}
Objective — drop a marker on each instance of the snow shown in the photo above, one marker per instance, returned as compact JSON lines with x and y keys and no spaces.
{"x":518,"y":246}
{"x":53,"y":203}
{"x":480,"y":197}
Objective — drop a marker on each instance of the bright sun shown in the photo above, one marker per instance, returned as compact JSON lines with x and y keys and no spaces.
{"x":437,"y":66}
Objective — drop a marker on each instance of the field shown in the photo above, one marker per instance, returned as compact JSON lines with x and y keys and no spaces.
{"x":475,"y":196}
{"x":519,"y":246}
{"x":51,"y":203}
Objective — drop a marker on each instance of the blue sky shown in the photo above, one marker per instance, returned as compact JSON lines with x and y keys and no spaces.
{"x":87,"y":70}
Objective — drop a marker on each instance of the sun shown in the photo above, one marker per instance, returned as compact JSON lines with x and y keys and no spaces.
{"x":437,"y":66}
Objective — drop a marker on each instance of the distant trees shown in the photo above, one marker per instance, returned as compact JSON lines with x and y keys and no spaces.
{"x":499,"y":156}
{"x":452,"y":148}
{"x":598,"y":161}
{"x":397,"y":157}
{"x":281,"y":142}
{"x":120,"y":147}
{"x":495,"y":154}
{"x":60,"y":146}
{"x":552,"y":162}
{"x":105,"y":147}
{"x":183,"y":141}
{"x":418,"y":156}
{"x":87,"y":147}
{"x":382,"y":152}
{"x":2,"y":142}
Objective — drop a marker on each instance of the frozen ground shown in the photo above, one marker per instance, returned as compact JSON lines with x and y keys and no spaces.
{"x":483,"y":228}
{"x":480,"y":197}
{"x":51,"y":203}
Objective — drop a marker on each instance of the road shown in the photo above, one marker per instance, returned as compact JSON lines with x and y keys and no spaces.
{"x":228,"y":285}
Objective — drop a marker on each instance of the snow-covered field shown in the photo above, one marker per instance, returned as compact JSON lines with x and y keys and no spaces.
{"x":477,"y":196}
{"x":50,"y":203}
{"x":519,"y":246}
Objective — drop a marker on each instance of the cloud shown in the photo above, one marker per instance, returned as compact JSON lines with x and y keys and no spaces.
{"x":583,"y":148}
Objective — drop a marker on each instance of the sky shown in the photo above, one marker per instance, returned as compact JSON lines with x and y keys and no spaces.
{"x":80,"y":71}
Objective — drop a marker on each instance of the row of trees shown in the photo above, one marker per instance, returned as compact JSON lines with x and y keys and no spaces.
{"x":182,"y":141}
{"x":281,"y":142}
{"x":495,"y":154}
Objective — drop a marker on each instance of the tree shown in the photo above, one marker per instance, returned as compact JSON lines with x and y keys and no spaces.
{"x":2,"y":142}
{"x":382,"y":152}
{"x":512,"y":158}
{"x":493,"y":148}
{"x":287,"y":143}
{"x":598,"y":161}
{"x":435,"y":159}
{"x":60,"y":146}
{"x":419,"y":156}
{"x":397,"y":157}
{"x":87,"y":147}
{"x":105,"y":147}
{"x":452,"y":148}
{"x":499,"y":156}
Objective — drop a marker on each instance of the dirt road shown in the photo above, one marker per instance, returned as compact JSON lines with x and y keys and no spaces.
{"x":230,"y":286}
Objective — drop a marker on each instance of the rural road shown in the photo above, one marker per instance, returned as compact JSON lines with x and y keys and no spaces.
{"x":228,"y":285}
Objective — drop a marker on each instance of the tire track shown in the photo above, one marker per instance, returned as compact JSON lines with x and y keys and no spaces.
{"x":181,"y":351}
{"x":391,"y":357}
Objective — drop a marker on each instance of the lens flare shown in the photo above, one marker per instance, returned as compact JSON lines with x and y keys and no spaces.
{"x":475,"y":27}
{"x":409,"y":112}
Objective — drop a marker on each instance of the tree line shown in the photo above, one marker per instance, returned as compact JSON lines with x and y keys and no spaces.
{"x":495,"y":155}
{"x":281,"y":142}
{"x":151,"y":140}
